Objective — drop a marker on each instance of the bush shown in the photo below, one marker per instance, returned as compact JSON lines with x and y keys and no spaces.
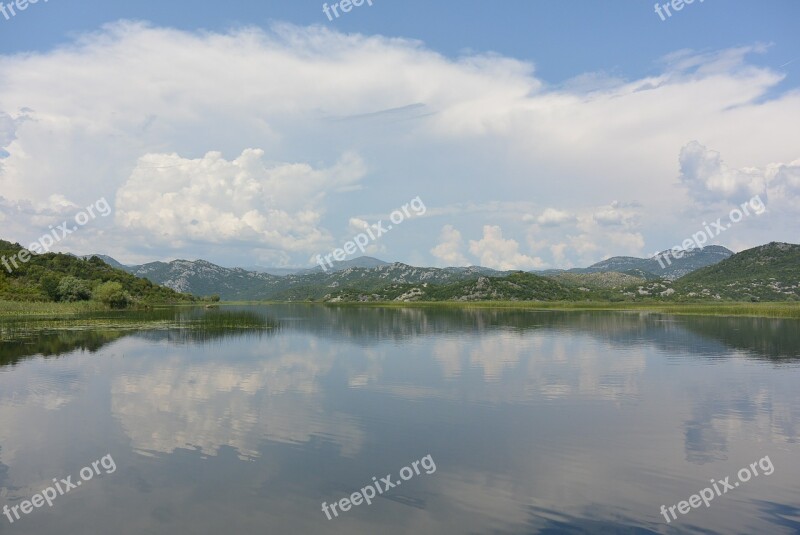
{"x":112,"y":294}
{"x":73,"y":289}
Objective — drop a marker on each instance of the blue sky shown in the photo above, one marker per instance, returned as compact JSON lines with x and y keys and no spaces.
{"x":539,"y":134}
{"x":563,"y":38}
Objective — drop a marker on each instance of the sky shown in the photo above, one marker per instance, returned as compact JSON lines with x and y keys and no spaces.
{"x":518,"y":135}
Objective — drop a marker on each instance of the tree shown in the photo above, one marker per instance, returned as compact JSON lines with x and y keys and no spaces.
{"x":112,"y":294}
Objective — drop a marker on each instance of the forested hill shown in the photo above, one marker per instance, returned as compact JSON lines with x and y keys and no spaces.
{"x":63,"y":277}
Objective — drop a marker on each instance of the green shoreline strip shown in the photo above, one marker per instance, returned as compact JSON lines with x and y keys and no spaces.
{"x":10,"y":309}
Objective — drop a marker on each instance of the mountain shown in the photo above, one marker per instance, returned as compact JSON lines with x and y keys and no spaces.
{"x":204,"y":278}
{"x":519,"y":286}
{"x":664,"y":265}
{"x":766,"y":273}
{"x":711,"y":272}
{"x":317,"y":285}
{"x":235,"y":284}
{"x":670,"y":267}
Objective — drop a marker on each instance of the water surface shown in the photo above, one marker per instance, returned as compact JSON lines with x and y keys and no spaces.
{"x":538,"y":422}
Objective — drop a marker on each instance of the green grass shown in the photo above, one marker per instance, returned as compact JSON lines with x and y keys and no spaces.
{"x":767,"y":310}
{"x":11,"y":309}
{"x":195,"y":323}
{"x":21,"y":309}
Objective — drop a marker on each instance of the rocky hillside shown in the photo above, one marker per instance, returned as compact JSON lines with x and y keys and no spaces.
{"x":235,"y":284}
{"x":204,"y":278}
{"x":317,"y":285}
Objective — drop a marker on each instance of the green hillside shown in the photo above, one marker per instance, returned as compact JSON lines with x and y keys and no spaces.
{"x":56,"y":277}
{"x":518,"y":286}
{"x":599,"y":280}
{"x":766,"y":273}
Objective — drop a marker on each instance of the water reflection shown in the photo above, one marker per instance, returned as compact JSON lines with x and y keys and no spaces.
{"x":771,"y":339}
{"x":540,"y":422}
{"x":171,"y":400}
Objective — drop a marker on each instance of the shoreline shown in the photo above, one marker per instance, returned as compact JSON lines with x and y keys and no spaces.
{"x":773,"y":309}
{"x":778,"y":309}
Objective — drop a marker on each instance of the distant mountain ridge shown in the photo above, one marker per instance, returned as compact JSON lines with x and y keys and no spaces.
{"x":200,"y":277}
{"x":366,"y":276}
{"x":362,"y":262}
{"x":663,"y":265}
{"x":766,"y":273}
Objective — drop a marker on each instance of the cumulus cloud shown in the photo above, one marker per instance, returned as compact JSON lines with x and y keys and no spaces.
{"x":8,"y":131}
{"x":449,"y":249}
{"x":598,"y":232}
{"x":552,"y":217}
{"x":356,"y":224}
{"x":708,"y":178}
{"x":783,"y":185}
{"x":496,"y":252}
{"x":712,"y":182}
{"x":215,"y":200}
{"x":558,"y":250}
{"x":616,"y":215}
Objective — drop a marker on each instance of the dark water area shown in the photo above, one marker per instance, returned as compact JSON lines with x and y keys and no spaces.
{"x":520,"y":422}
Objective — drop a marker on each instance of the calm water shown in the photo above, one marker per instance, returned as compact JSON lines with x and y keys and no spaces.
{"x":537,"y":422}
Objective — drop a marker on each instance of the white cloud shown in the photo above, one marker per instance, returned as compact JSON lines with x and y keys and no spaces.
{"x":496,"y":252}
{"x":783,"y":185}
{"x":71,"y":126}
{"x":558,"y":250}
{"x":552,"y":217}
{"x":8,"y":131}
{"x":708,"y":178}
{"x":616,"y":215}
{"x":717,"y":187}
{"x":214,"y":200}
{"x":449,"y":250}
{"x":356,"y":224}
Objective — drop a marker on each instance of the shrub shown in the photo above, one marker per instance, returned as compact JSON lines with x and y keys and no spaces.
{"x":50,"y":283}
{"x":73,"y":289}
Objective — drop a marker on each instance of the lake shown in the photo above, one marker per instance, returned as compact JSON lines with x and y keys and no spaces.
{"x":518,"y":421}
